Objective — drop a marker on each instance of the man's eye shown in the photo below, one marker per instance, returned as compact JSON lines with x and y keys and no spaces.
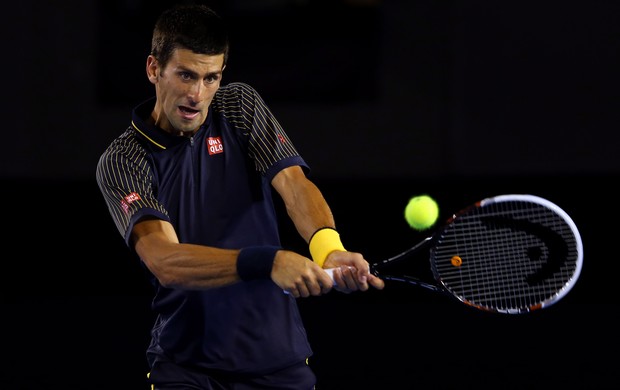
{"x":211,"y":79}
{"x":185,"y":76}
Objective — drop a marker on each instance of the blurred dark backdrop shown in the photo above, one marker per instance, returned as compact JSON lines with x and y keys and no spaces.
{"x":385,"y":99}
{"x":366,"y":88}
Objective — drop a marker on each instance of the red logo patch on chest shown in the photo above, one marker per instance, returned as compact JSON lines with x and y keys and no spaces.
{"x":214,"y":145}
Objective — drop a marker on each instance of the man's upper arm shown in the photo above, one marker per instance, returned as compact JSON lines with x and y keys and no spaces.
{"x":149,"y":234}
{"x":285,"y":181}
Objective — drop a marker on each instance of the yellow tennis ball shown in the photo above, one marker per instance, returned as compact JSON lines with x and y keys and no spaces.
{"x":421,"y":212}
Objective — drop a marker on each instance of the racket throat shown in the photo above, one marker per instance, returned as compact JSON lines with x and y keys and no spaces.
{"x":411,"y":280}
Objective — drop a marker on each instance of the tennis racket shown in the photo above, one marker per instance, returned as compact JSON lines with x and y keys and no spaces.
{"x":506,"y":254}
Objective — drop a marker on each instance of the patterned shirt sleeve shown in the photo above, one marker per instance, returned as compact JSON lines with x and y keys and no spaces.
{"x":125,"y":180}
{"x":269,"y":146}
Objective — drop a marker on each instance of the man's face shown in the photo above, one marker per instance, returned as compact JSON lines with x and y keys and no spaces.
{"x":184,"y":89}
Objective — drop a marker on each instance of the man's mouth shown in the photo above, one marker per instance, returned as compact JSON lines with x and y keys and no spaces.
{"x":188,"y":113}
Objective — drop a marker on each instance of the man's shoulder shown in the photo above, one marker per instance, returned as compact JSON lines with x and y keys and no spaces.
{"x":236,"y":86}
{"x":235,"y":90}
{"x":125,"y":142}
{"x":126,"y":136}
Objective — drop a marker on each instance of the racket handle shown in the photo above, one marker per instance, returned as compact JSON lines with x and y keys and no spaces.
{"x":330,"y":272}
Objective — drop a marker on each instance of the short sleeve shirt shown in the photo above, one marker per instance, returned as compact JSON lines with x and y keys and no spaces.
{"x":215,"y":189}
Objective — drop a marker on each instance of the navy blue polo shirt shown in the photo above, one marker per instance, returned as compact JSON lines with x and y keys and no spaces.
{"x":215,"y":189}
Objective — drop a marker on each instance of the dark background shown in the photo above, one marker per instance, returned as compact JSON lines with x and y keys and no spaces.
{"x":385,"y":99}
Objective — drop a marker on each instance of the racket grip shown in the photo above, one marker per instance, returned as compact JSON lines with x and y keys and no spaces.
{"x":330,"y":272}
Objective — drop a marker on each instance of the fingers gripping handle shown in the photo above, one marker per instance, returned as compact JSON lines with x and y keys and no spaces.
{"x":330,"y":272}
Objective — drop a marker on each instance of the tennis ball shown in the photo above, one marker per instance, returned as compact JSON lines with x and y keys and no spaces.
{"x":421,"y":212}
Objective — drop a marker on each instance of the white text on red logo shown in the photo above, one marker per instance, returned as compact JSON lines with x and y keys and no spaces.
{"x":214,"y":144}
{"x":129,"y":199}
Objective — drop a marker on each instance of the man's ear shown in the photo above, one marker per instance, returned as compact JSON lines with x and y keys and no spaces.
{"x":152,"y":67}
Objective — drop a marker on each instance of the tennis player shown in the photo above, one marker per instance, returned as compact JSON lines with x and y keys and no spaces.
{"x":189,"y":186}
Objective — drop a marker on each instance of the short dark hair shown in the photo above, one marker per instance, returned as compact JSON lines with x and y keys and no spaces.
{"x":194,"y":27}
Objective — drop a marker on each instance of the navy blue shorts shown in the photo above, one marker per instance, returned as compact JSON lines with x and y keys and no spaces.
{"x":169,"y":376}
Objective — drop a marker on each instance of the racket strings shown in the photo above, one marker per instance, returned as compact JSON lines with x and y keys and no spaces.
{"x":515,"y":256}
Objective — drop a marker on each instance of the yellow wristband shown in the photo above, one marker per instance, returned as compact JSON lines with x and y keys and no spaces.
{"x":323,"y":242}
